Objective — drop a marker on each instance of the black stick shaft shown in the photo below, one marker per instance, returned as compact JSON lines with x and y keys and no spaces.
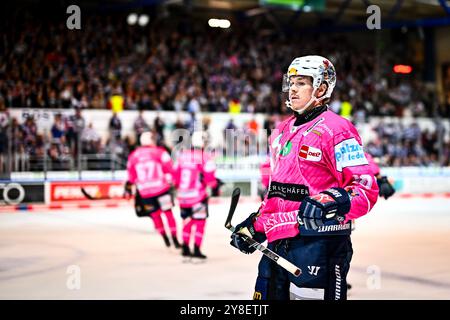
{"x":253,"y":243}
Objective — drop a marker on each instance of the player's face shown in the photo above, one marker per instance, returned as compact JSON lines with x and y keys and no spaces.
{"x":300,"y":90}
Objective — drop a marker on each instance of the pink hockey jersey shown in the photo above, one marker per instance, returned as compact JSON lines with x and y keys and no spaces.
{"x":318,"y":154}
{"x":194,"y":172}
{"x":373,"y":166}
{"x":151,"y":169}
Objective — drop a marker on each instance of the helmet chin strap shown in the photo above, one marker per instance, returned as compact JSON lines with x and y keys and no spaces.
{"x":312,"y":100}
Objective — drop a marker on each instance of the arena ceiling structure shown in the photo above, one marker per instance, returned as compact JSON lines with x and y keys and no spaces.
{"x":322,"y":13}
{"x":281,"y":14}
{"x":317,"y":15}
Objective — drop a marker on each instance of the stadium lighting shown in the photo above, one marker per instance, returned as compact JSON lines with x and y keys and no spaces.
{"x":143,"y":20}
{"x":132,"y":19}
{"x":225,"y":24}
{"x":213,"y":23}
{"x":219,"y":23}
{"x":401,"y":68}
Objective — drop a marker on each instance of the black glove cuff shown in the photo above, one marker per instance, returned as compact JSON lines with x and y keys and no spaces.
{"x":382,"y":179}
{"x":251,"y":227}
{"x":342,"y":199}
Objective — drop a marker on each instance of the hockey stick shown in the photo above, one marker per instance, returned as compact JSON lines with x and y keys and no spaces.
{"x":87,"y":195}
{"x":282,"y":262}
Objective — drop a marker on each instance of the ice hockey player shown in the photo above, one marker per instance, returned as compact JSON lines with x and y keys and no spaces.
{"x":320,"y":181}
{"x":150,"y":168}
{"x":194,"y":172}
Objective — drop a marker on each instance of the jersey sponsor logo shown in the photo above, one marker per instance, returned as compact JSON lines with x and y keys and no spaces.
{"x":148,"y":185}
{"x":288,"y":191}
{"x":276,"y":141}
{"x":310,"y":153}
{"x":326,"y":128}
{"x":349,"y":153}
{"x":286,"y":149}
{"x":188,"y":193}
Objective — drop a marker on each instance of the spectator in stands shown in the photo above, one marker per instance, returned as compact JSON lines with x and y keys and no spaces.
{"x":176,"y":72}
{"x":115,"y":127}
{"x":75,"y":125}
{"x":4,"y":124}
{"x":58,"y":130}
{"x":140,"y":125}
{"x":158,"y":126}
{"x":90,"y":140}
{"x":186,"y":74}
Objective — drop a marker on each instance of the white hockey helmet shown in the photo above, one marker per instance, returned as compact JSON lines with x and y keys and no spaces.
{"x":319,"y":68}
{"x":147,"y":139}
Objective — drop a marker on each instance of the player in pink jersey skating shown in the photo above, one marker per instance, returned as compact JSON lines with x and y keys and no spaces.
{"x":194,"y":172}
{"x":150,"y":168}
{"x":320,"y":181}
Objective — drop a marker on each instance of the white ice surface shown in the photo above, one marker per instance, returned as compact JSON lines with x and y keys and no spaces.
{"x":122,"y":257}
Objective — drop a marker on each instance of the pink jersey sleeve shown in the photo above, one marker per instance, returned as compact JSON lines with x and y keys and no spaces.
{"x":373,"y":166}
{"x":167,"y":165}
{"x":353,"y":172}
{"x":131,"y":170}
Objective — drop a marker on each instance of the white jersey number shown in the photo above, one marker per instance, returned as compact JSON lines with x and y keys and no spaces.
{"x":148,"y":171}
{"x":185,"y":179}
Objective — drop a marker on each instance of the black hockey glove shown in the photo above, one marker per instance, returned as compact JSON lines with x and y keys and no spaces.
{"x":139,"y":206}
{"x":386,"y":189}
{"x":215,"y":192}
{"x":333,"y":203}
{"x":128,"y":190}
{"x":243,"y":230}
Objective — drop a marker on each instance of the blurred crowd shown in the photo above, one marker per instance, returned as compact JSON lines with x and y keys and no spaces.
{"x":181,"y":67}
{"x":69,"y":137}
{"x":174,"y":67}
{"x":399,"y":145}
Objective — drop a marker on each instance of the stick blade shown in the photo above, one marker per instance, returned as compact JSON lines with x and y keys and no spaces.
{"x":87,"y":195}
{"x":234,"y":201}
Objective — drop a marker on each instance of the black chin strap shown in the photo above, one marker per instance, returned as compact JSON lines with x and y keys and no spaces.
{"x":309,"y":115}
